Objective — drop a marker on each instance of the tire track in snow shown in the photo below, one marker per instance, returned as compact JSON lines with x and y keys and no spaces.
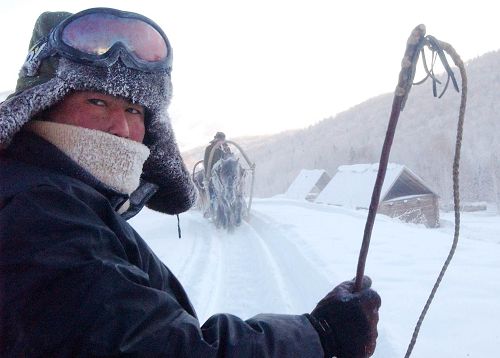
{"x":247,"y":282}
{"x":202,"y":268}
{"x":253,"y":270}
{"x":305,"y":283}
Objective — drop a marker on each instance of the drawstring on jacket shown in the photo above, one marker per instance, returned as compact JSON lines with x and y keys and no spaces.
{"x":178,"y":226}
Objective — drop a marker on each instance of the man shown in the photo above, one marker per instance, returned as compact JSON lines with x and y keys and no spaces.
{"x":86,"y":144}
{"x":220,"y":151}
{"x":217,"y":149}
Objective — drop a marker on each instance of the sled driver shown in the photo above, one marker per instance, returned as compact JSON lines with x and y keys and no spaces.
{"x":221,"y":151}
{"x":86,"y":143}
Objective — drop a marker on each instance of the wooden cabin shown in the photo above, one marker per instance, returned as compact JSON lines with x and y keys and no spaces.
{"x":308,"y":184}
{"x":404,"y":194}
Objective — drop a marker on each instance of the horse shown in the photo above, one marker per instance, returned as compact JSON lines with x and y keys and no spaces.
{"x":202,"y":202}
{"x":227,"y":202}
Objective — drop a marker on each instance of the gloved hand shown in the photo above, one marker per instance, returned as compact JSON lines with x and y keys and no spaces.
{"x":347,"y":322}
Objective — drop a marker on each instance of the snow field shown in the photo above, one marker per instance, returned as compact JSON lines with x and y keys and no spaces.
{"x":291,"y":253}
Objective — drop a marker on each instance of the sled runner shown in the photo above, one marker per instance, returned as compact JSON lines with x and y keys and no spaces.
{"x":225,"y":186}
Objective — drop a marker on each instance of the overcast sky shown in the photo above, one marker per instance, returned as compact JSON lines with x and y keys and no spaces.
{"x":264,"y":66}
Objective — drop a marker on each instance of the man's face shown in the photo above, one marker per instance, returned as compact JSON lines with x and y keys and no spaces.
{"x":94,"y":110}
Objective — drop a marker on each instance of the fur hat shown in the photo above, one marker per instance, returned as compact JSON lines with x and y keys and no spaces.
{"x":218,"y":136}
{"x":57,"y":76}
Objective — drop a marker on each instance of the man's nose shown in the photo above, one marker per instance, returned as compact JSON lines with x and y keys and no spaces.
{"x":119,"y":124}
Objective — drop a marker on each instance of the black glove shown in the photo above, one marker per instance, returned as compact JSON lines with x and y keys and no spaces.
{"x":347,"y":322}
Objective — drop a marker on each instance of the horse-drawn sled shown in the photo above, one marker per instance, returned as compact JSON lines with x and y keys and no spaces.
{"x":225,"y":180}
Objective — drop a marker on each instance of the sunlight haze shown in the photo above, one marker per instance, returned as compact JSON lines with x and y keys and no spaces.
{"x":262,"y":67}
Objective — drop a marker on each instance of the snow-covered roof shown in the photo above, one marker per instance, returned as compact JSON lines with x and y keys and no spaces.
{"x":352,"y":185}
{"x":304,"y":183}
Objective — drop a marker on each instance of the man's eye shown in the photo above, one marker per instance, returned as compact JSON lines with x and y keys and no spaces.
{"x":133,"y":111}
{"x":97,"y":101}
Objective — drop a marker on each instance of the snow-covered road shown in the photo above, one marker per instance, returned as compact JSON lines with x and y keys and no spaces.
{"x":226,"y":272}
{"x":291,"y":253}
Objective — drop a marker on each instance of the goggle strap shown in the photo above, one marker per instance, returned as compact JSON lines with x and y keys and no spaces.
{"x":38,"y":52}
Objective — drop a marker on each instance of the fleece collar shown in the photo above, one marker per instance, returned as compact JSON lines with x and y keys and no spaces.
{"x":115,"y":161}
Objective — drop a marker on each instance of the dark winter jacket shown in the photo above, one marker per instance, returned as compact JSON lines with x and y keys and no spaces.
{"x":220,"y":151}
{"x":77,"y":281}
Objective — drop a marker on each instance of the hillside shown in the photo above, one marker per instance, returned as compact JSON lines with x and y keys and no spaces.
{"x":424,"y":141}
{"x":3,"y":95}
{"x":194,"y":155}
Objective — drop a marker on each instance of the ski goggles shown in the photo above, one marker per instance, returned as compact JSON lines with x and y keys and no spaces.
{"x":101,"y":36}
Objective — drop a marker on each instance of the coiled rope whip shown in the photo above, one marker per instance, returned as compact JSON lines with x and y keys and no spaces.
{"x":416,"y":44}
